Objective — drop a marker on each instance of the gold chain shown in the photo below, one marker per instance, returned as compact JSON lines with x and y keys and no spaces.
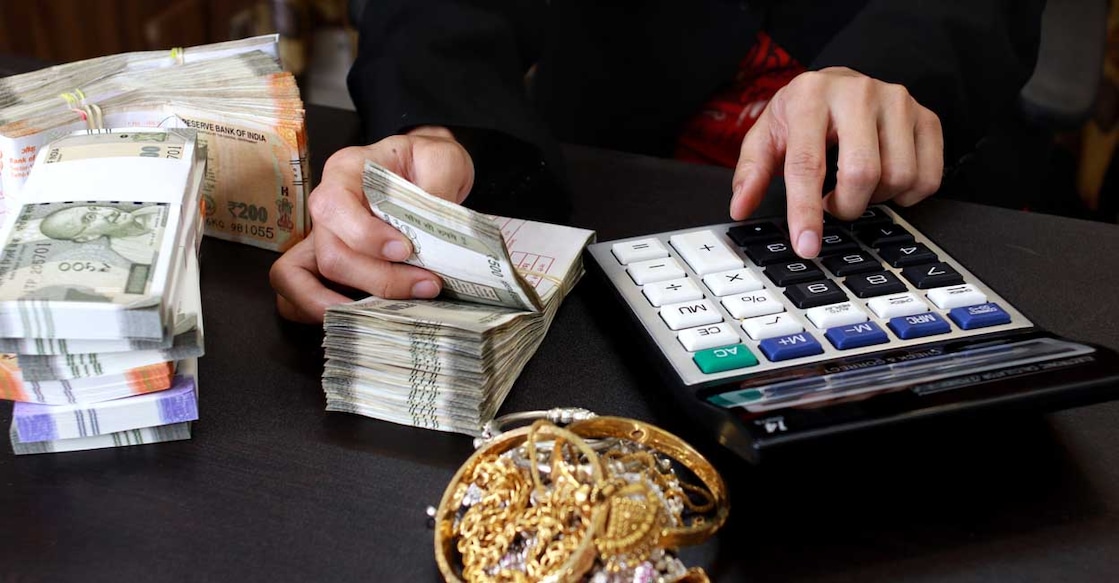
{"x":539,"y":503}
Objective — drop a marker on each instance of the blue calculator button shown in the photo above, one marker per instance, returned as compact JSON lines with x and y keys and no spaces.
{"x":919,"y":325}
{"x":856,"y":335}
{"x":790,"y":346}
{"x":980,"y":316}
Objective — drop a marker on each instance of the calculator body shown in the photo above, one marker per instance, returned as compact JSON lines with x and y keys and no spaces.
{"x":766,"y":349}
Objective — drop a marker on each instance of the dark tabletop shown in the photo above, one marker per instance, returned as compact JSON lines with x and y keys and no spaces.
{"x":272,"y":487}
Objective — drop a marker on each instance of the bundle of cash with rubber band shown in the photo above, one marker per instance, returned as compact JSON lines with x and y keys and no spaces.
{"x":448,"y":363}
{"x":100,"y":310}
{"x":245,"y":107}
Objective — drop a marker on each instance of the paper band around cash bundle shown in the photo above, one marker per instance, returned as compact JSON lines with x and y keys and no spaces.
{"x":517,"y":511}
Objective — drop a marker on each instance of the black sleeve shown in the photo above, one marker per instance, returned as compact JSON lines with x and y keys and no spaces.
{"x":462,"y":64}
{"x":966,"y":60}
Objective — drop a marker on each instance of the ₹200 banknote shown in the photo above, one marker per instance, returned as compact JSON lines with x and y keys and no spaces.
{"x":245,"y":108}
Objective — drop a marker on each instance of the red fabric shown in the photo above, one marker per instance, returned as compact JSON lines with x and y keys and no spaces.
{"x":714,"y":135}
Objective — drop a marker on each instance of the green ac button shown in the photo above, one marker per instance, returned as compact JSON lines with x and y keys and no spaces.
{"x":724,"y":358}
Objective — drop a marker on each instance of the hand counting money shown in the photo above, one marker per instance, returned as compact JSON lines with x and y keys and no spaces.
{"x":465,"y":248}
{"x":448,"y":363}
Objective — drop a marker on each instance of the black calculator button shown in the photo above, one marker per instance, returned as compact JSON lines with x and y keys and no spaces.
{"x":816,"y":293}
{"x":769,"y":253}
{"x":836,"y":240}
{"x":744,"y":235}
{"x":872,"y":285}
{"x":871,"y":216}
{"x":932,"y":275}
{"x":907,"y":254}
{"x":852,"y":263}
{"x":785,"y":274}
{"x":882,"y":235}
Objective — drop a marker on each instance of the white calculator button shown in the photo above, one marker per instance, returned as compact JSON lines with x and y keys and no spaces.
{"x":897,"y":305}
{"x":842,"y":314}
{"x":672,"y":291}
{"x":705,"y":252}
{"x":735,"y":281}
{"x":655,"y":270}
{"x":750,"y":304}
{"x":956,"y":296}
{"x":690,"y":314}
{"x":641,"y":250}
{"x":771,"y":326}
{"x":706,"y":337}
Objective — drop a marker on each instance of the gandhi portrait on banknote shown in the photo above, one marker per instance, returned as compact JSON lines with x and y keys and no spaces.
{"x":128,"y":232}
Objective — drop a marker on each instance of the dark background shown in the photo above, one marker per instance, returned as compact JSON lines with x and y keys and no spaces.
{"x":1039,"y":164}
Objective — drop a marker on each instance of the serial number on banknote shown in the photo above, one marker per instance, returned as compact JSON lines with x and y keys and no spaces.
{"x":254,"y":230}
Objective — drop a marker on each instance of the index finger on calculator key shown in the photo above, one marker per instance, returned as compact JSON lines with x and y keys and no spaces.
{"x":805,"y":166}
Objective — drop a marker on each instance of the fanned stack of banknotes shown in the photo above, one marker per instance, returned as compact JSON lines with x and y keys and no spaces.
{"x":100,"y":311}
{"x":448,"y":364}
{"x":245,"y":107}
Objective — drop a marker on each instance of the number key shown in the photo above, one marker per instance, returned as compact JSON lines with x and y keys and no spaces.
{"x":906,"y":255}
{"x":870,"y":285}
{"x":852,"y":263}
{"x":879,"y":235}
{"x":817,"y":293}
{"x":836,"y":240}
{"x":784,"y":274}
{"x":932,"y":275}
{"x":767,"y":253}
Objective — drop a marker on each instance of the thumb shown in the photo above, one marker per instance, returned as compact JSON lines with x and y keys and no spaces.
{"x":440,"y":166}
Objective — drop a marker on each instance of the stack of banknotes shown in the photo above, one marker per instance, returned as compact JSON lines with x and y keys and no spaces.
{"x":245,"y":107}
{"x":100,"y":311}
{"x":448,"y":363}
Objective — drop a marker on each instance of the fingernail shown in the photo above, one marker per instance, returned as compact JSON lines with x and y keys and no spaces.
{"x":735,"y":195}
{"x":396,"y":251}
{"x":425,"y":289}
{"x":736,"y":191}
{"x":808,"y":244}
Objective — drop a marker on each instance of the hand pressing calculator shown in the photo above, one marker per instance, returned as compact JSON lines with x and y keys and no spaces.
{"x":769,"y":349}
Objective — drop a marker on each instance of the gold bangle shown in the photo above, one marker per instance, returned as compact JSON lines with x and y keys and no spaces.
{"x":672,"y":446}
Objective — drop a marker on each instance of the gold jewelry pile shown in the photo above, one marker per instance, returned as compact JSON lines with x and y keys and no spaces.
{"x":597,"y":501}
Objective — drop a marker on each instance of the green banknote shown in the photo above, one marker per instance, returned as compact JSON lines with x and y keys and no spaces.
{"x":83,"y":251}
{"x":125,"y":145}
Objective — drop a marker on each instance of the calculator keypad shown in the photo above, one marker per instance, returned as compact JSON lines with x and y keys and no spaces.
{"x":729,"y":300}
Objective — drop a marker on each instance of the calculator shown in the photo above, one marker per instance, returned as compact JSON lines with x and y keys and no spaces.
{"x":768,"y":349}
